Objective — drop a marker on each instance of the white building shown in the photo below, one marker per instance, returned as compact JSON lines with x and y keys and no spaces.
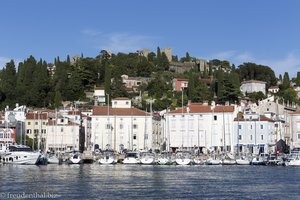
{"x":254,"y":133}
{"x":253,"y":86}
{"x":121,"y":127}
{"x":273,"y":89}
{"x":294,"y":129}
{"x":200,"y":125}
{"x":62,"y":135}
{"x":99,"y":96}
{"x":78,"y":117}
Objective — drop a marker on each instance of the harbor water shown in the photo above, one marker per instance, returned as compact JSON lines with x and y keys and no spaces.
{"x":94,"y":181}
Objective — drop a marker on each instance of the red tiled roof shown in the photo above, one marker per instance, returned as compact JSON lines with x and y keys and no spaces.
{"x":36,"y":116}
{"x":70,"y":123}
{"x":199,"y":108}
{"x":297,"y":112}
{"x":102,"y":110}
{"x":74,"y":112}
{"x":261,"y":118}
{"x":121,"y":98}
{"x":253,"y":81}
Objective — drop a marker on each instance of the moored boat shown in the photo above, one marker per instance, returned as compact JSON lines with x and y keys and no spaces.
{"x":21,"y":155}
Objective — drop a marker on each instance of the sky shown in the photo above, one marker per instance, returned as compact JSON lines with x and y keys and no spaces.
{"x":261,"y":31}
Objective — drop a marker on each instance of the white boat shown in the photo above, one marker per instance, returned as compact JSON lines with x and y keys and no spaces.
{"x":147,"y":158}
{"x":243,"y":161}
{"x":262,"y":159}
{"x":213,"y":160}
{"x":75,"y":159}
{"x":228,"y":159}
{"x":163,"y":159}
{"x":294,"y":162}
{"x":131,"y":158}
{"x":183,"y":158}
{"x":21,"y":155}
{"x":108,"y":158}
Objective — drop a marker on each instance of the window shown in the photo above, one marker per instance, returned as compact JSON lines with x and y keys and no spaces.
{"x":108,"y":126}
{"x":115,"y":102}
{"x":121,"y":126}
{"x":251,"y":127}
{"x":28,"y":123}
{"x":35,"y":131}
{"x":62,"y":129}
{"x":28,"y":131}
{"x":135,"y":126}
{"x":240,"y":126}
{"x":134,"y":136}
{"x":261,"y":126}
{"x":262,"y":137}
{"x":240,"y":137}
{"x":146,"y":136}
{"x":298,"y":136}
{"x":1,"y":135}
{"x":36,"y":123}
{"x":61,"y":120}
{"x":127,"y":102}
{"x":44,"y":123}
{"x":250,"y":137}
{"x":215,"y":117}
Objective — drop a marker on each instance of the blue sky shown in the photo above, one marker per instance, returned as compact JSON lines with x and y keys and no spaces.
{"x":261,"y":31}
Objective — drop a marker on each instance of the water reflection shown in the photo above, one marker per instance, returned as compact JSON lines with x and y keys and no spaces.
{"x":95,"y":181}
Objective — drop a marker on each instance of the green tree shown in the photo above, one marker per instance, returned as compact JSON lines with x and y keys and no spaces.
{"x":286,"y":81}
{"x":107,"y":82}
{"x":298,"y":79}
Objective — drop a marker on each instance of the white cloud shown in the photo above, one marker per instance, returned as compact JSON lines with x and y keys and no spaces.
{"x":290,"y":63}
{"x":3,"y":61}
{"x":118,"y":42}
{"x":287,"y":63}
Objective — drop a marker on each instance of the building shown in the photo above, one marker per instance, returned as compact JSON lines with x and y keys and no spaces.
{"x":144,"y":52}
{"x":78,"y":117}
{"x":254,"y":133}
{"x":179,"y":84}
{"x":168,"y":53}
{"x":200,"y":125}
{"x":293,"y":124}
{"x":253,"y":86}
{"x":99,"y":96}
{"x":119,"y":126}
{"x":132,"y":83}
{"x":273,"y":89}
{"x":62,"y":135}
{"x":36,"y":127}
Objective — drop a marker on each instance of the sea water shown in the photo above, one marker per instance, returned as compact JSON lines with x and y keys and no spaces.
{"x":94,"y":181}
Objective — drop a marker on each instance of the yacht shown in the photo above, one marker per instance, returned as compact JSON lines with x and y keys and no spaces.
{"x":131,"y":158}
{"x":21,"y":155}
{"x":75,"y":159}
{"x":294,"y":162}
{"x":243,"y":160}
{"x":262,"y":159}
{"x":163,"y":159}
{"x":183,"y":158}
{"x":108,"y":157}
{"x":147,"y":158}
